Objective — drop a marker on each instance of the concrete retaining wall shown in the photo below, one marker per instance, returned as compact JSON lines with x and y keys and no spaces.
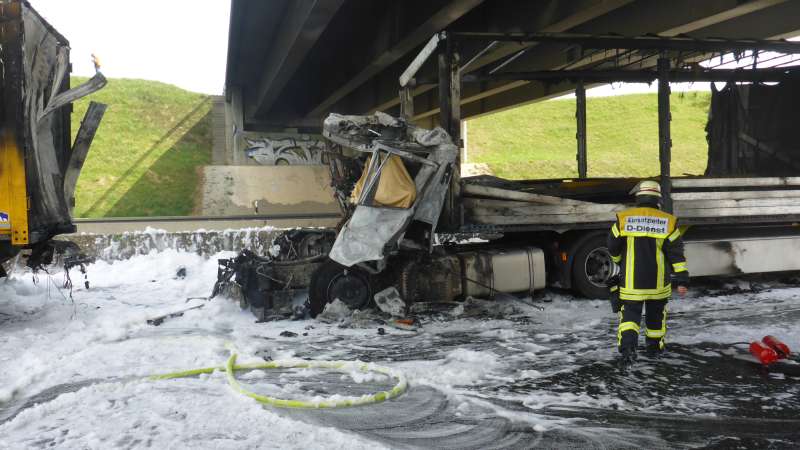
{"x":111,"y":247}
{"x":233,"y":190}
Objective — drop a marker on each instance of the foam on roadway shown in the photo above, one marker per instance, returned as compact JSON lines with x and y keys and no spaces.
{"x":520,"y":378}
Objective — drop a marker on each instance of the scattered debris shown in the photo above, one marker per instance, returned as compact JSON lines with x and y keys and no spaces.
{"x":299,"y":312}
{"x":433,"y":307}
{"x":390,"y":302}
{"x":366,"y":318}
{"x":158,"y":320}
{"x":181,"y":273}
{"x":278,"y":307}
{"x":264,"y":354}
{"x":334,"y":311}
{"x":404,"y":324}
{"x":475,"y":307}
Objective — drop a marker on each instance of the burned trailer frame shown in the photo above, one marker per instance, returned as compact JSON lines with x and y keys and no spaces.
{"x":660,"y":50}
{"x":39,"y":165}
{"x":559,"y":215}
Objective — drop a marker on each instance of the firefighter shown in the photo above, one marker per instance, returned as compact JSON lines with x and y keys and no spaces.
{"x":646,"y":243}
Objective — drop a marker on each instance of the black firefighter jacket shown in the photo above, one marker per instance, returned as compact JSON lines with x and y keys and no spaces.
{"x":647,"y":245}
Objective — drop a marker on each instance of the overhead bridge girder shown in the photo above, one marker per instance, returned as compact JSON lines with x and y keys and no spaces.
{"x":293,"y":61}
{"x":551,"y":20}
{"x":495,"y":96}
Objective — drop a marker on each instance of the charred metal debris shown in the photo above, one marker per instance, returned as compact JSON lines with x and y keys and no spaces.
{"x":268,"y":284}
{"x":66,"y":254}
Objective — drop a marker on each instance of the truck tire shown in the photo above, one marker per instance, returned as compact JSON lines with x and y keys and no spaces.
{"x":591,"y":268}
{"x":332,"y":280}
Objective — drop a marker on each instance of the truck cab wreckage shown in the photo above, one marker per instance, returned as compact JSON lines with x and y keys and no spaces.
{"x":387,"y":237}
{"x":409,"y":213}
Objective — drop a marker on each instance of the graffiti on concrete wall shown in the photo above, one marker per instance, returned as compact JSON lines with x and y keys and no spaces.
{"x":285,"y":151}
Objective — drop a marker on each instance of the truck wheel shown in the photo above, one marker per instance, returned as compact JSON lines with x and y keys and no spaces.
{"x":333,"y":280}
{"x":592,"y":267}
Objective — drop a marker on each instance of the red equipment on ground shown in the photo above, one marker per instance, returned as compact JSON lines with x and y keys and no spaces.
{"x":779,"y":347}
{"x":769,"y":350}
{"x":763,"y":353}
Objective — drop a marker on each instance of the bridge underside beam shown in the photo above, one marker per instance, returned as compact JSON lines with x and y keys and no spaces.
{"x":552,"y":19}
{"x":291,"y":62}
{"x":300,"y":29}
{"x":774,"y":23}
{"x":381,"y":58}
{"x":726,"y":18}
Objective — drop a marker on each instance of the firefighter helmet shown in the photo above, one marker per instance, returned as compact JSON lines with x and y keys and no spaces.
{"x":647,"y":187}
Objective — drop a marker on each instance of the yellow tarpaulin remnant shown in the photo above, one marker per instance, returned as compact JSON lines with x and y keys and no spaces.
{"x":396,"y":189}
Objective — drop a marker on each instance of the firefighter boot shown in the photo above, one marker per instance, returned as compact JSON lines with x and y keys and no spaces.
{"x":655,"y":348}
{"x":627,"y":358}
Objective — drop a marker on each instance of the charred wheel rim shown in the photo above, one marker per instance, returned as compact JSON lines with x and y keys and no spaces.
{"x":598,"y":267}
{"x":349,"y":287}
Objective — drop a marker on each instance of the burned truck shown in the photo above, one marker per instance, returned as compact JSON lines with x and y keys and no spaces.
{"x":393,"y":179}
{"x":39,"y":163}
{"x":413,"y":223}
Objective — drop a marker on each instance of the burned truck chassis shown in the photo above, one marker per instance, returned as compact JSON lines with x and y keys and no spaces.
{"x":268,"y":284}
{"x":271,"y":287}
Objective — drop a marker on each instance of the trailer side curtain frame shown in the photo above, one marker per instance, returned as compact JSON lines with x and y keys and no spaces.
{"x":450,"y":79}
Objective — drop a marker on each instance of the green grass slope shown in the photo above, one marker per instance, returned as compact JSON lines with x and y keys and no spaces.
{"x":538,"y":140}
{"x":145,"y":157}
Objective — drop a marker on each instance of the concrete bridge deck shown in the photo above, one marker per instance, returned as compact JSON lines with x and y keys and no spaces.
{"x":290,"y":63}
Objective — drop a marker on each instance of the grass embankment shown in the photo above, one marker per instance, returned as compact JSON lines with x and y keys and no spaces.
{"x":145,"y":156}
{"x":538,"y":140}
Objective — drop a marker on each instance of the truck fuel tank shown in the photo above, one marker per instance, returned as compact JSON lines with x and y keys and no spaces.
{"x":478,"y":273}
{"x":502,"y":270}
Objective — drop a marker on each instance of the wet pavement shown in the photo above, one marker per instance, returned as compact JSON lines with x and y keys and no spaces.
{"x":518,"y":377}
{"x":563,"y":374}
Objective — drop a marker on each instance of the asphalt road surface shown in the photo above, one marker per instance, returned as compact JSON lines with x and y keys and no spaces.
{"x":488,"y":375}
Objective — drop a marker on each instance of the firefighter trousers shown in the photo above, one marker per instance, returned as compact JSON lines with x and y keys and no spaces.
{"x":630,"y":317}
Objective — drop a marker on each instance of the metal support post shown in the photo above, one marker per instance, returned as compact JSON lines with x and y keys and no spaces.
{"x":450,"y":91}
{"x":450,"y":120}
{"x":580,"y":116}
{"x":664,"y":138}
{"x":406,"y":103}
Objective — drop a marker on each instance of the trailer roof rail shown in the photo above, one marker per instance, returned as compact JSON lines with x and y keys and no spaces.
{"x":646,"y":42}
{"x":612,"y":58}
{"x":638,"y":76}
